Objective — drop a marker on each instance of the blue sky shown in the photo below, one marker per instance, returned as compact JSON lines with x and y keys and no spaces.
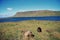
{"x":10,"y":7}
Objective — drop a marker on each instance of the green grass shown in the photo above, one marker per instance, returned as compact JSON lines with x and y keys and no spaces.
{"x":12,"y":30}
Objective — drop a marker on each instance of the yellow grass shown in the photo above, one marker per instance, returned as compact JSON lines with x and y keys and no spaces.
{"x":14,"y":29}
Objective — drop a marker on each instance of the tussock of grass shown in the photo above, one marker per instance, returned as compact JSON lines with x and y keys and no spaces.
{"x":12,"y":30}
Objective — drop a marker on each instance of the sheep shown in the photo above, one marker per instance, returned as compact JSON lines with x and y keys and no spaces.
{"x":39,"y":29}
{"x":28,"y":35}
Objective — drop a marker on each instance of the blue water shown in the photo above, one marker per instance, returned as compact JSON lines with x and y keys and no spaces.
{"x":15,"y":19}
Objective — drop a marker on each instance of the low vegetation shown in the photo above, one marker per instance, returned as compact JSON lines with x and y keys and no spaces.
{"x":12,"y":30}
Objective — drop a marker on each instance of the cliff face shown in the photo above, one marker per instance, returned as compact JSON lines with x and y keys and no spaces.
{"x":37,"y":13}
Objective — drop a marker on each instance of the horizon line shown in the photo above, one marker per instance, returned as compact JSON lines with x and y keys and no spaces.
{"x":35,"y":10}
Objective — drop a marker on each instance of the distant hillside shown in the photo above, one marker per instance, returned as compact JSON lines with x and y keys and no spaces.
{"x":37,"y":13}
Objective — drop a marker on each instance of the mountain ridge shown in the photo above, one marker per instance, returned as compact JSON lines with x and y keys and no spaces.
{"x":37,"y":13}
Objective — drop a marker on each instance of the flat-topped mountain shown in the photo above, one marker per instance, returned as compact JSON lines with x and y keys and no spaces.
{"x":37,"y":13}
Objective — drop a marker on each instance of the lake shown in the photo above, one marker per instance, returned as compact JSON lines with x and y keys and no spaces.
{"x":15,"y":19}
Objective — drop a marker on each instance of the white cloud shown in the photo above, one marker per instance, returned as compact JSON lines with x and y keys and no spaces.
{"x":9,"y":9}
{"x":51,"y":9}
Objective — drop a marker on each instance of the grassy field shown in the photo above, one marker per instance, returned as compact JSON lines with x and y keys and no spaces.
{"x":12,"y":30}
